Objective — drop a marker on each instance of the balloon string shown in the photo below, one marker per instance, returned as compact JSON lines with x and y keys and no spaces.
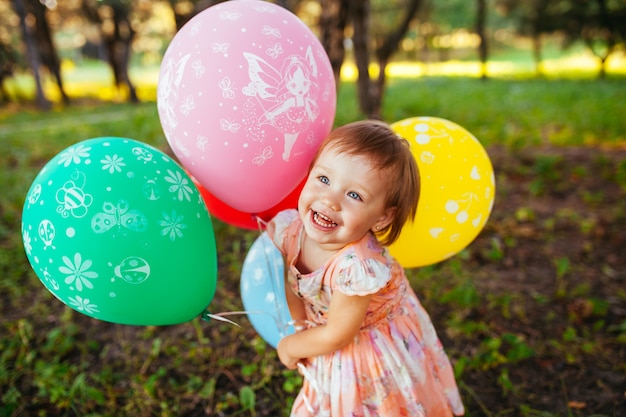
{"x":280,"y":322}
{"x":274,"y":274}
{"x":297,"y":324}
{"x":260,"y":222}
{"x":207,"y":316}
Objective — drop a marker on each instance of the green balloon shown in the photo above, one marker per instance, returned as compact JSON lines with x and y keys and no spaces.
{"x":116,"y":230}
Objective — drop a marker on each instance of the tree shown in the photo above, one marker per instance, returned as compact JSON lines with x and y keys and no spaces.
{"x":444,"y":19}
{"x":32,"y":53}
{"x":534,"y":18}
{"x":8,"y":60}
{"x":481,"y":24}
{"x":602,"y":27}
{"x":371,"y":89}
{"x":186,"y":9}
{"x":117,"y":32}
{"x":40,"y":49}
{"x":599,"y":24}
{"x":333,"y":21}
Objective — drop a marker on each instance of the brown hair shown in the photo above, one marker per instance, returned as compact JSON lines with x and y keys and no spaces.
{"x":389,"y":152}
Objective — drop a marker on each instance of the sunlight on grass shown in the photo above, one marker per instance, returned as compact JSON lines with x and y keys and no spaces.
{"x":582,"y":65}
{"x":89,"y":81}
{"x":95,"y":80}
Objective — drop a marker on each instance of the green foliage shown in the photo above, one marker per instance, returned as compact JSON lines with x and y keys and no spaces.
{"x":517,"y":113}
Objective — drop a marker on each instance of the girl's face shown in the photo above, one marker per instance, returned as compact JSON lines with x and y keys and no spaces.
{"x":343,"y":199}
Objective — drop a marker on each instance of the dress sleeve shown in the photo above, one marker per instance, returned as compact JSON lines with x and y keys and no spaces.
{"x":361,"y":275}
{"x":277,"y":228}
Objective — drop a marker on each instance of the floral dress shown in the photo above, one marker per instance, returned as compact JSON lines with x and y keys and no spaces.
{"x":396,"y":365}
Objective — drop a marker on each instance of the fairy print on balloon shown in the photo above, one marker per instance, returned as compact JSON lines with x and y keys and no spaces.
{"x":246,"y":93}
{"x":167,"y":95}
{"x":286,"y":97}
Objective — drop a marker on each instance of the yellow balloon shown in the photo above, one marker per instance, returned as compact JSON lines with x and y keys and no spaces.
{"x":457,"y":191}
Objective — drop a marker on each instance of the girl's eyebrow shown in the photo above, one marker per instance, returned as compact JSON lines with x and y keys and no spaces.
{"x":359,"y":188}
{"x":319,"y":166}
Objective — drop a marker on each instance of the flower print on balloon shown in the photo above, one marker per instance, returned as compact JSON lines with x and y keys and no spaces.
{"x":111,"y":239}
{"x":286,"y":98}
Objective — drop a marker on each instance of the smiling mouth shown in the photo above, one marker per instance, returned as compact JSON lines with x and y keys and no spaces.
{"x":323,"y":221}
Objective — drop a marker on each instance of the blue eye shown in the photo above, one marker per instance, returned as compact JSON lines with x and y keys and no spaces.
{"x":324,"y":179}
{"x":354,"y":195}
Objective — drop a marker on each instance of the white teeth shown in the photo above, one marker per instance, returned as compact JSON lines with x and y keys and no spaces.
{"x":322,"y":220}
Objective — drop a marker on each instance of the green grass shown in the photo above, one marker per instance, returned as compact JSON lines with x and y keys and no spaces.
{"x":54,"y":361}
{"x":509,"y":112}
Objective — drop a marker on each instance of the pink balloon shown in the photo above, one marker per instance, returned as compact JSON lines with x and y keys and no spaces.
{"x":245,"y":95}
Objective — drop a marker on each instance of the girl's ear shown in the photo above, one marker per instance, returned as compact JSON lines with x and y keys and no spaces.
{"x":384,"y":220}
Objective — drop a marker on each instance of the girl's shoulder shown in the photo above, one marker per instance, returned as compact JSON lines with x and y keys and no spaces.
{"x":362,"y":268}
{"x":285,"y":217}
{"x":278,"y":228}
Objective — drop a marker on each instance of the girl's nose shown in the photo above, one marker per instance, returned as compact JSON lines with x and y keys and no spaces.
{"x":330,"y":200}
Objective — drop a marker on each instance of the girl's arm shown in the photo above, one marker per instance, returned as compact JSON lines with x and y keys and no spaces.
{"x":345,"y":316}
{"x":295,"y":303}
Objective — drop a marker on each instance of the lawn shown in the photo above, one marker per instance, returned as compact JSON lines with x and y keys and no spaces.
{"x":532,"y":313}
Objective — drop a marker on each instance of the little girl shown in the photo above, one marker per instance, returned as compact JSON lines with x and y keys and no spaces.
{"x":368,"y":347}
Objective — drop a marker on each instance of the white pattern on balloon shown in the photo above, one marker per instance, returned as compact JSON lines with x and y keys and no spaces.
{"x":246,"y":92}
{"x":72,"y":198}
{"x":77,"y":273}
{"x":118,"y":218}
{"x":171,"y":76}
{"x":286,"y":97}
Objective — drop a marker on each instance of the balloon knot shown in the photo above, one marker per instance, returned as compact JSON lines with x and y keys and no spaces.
{"x":207,"y":316}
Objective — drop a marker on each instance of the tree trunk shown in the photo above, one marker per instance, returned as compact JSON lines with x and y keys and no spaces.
{"x":32,"y":53}
{"x":7,"y":64}
{"x":607,"y":23}
{"x":360,"y":12}
{"x":481,"y":23}
{"x":117,"y":36}
{"x":386,"y":51}
{"x":370,"y":92}
{"x":537,"y":53}
{"x":333,"y":24}
{"x":198,"y":5}
{"x":43,"y":39}
{"x":119,"y":48}
{"x":538,"y":16}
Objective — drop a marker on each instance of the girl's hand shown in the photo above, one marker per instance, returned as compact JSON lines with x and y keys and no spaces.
{"x":345,"y":317}
{"x":289,"y":361}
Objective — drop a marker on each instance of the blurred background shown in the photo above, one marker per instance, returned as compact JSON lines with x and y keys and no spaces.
{"x":52,"y":51}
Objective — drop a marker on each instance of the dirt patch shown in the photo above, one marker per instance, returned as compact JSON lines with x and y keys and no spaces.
{"x":553,"y":251}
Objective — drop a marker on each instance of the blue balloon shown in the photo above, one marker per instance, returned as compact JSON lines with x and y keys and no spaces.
{"x":263,"y":291}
